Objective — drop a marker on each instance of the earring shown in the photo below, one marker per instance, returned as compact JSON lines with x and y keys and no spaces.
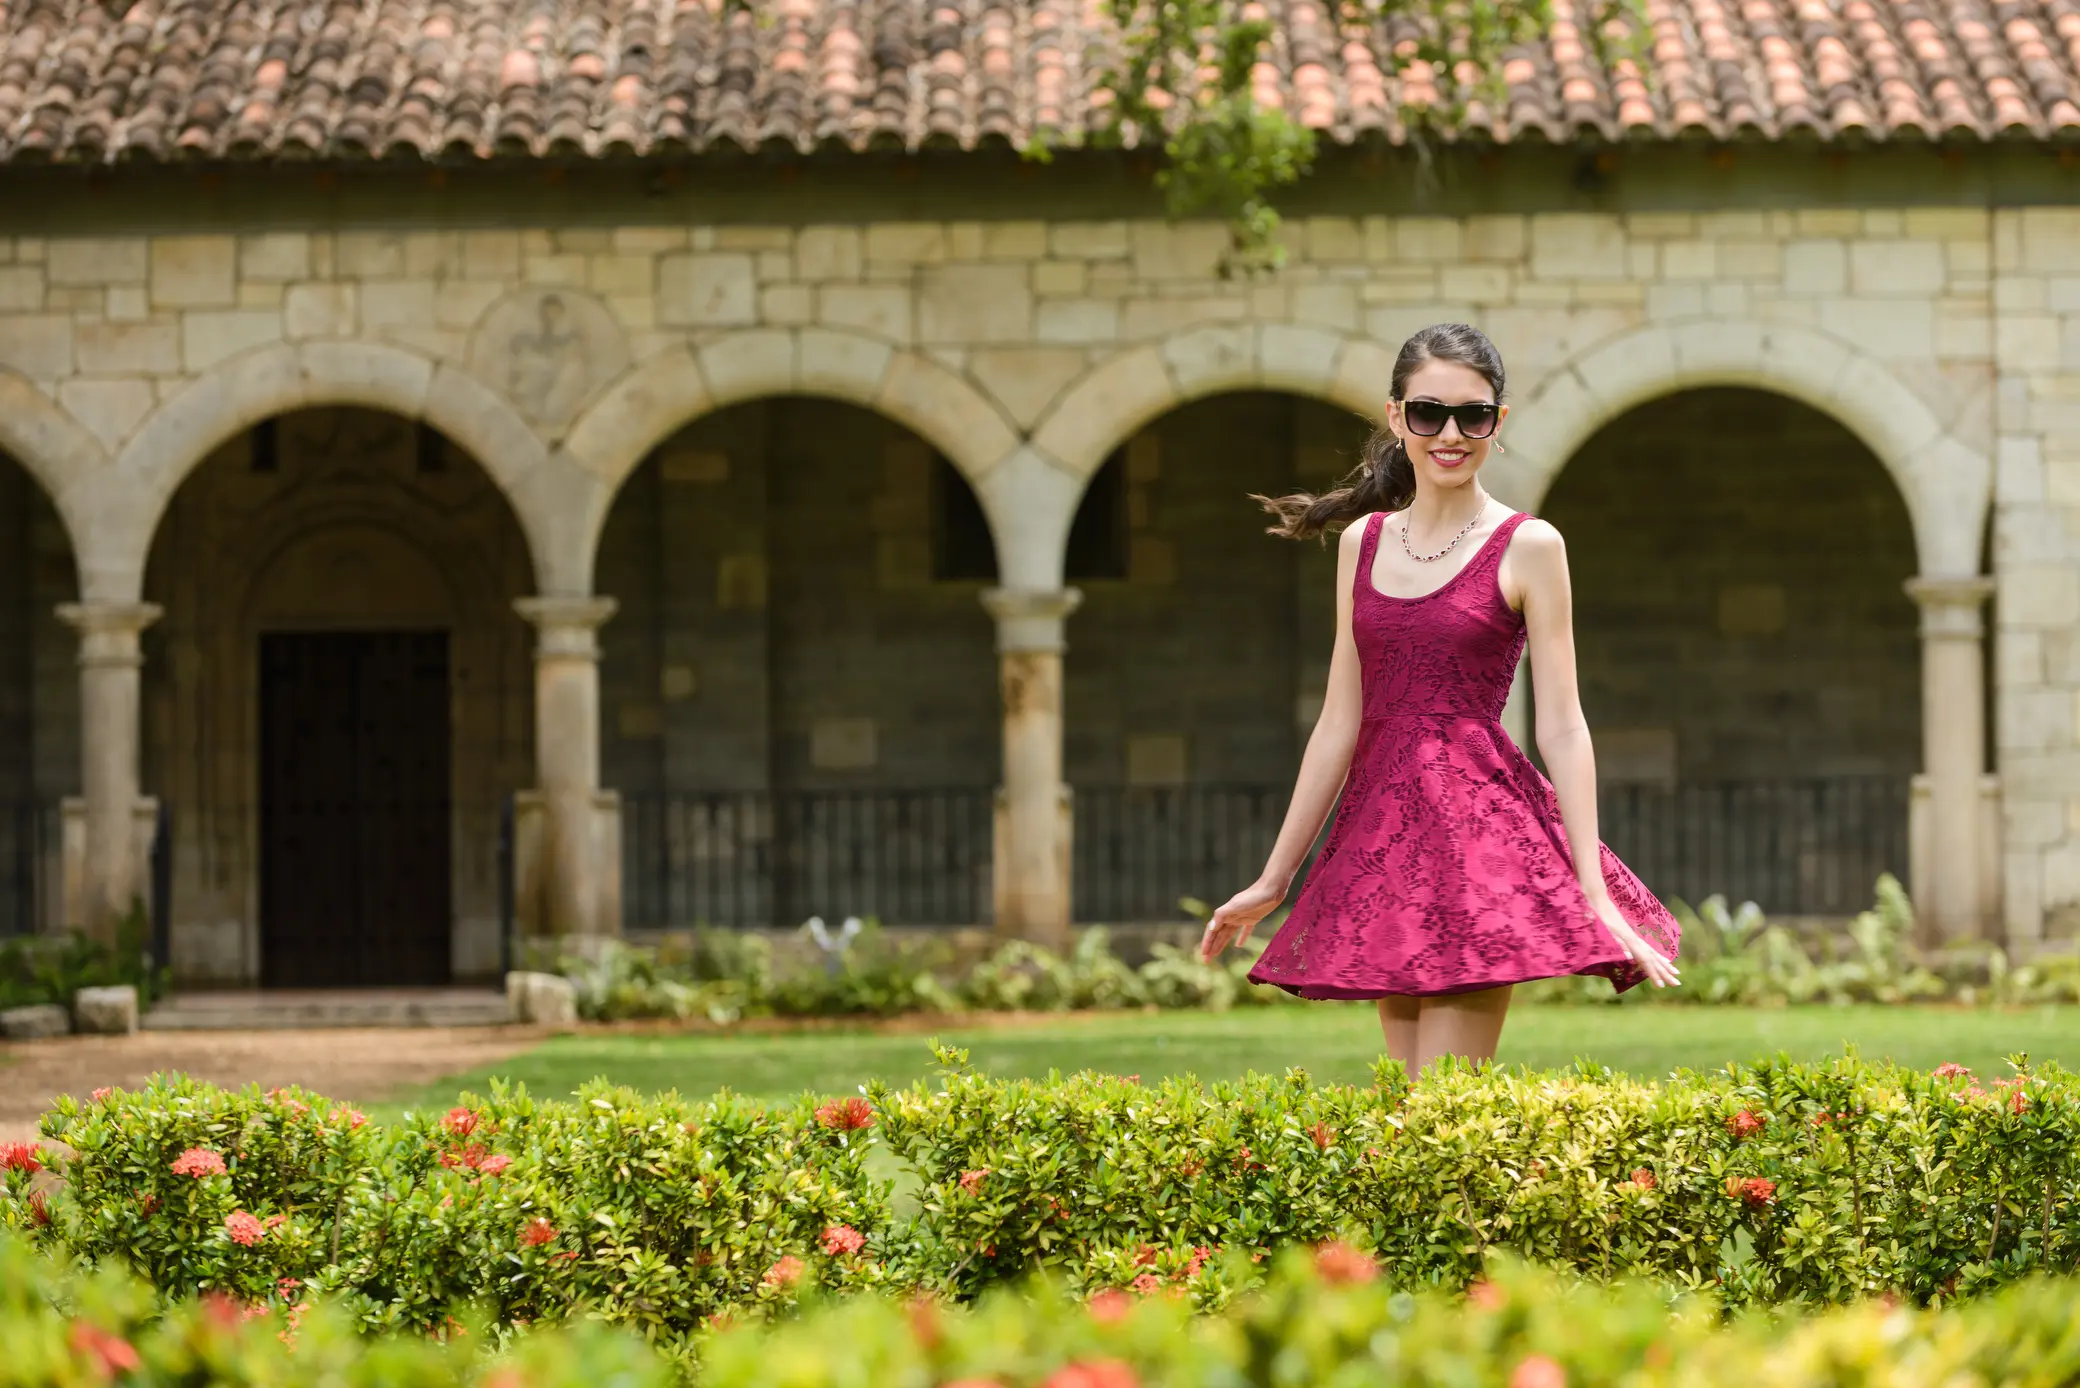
{"x":1499,"y":448}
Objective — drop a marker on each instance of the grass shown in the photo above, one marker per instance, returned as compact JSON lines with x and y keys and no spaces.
{"x":1336,"y":1042}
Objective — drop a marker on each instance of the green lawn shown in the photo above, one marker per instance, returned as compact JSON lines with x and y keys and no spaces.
{"x":1333,"y":1041}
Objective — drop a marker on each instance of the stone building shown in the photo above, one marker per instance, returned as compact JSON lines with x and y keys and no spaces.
{"x":610,"y":464}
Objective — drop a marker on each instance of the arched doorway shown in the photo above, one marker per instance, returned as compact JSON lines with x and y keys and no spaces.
{"x":1197,"y":662}
{"x":39,"y":701}
{"x":337,"y":703}
{"x":799,"y":689}
{"x":1749,"y":663}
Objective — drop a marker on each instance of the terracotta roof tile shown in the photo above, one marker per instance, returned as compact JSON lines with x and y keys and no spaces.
{"x":93,"y":81}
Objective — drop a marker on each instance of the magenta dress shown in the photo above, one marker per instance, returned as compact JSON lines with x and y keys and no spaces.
{"x":1447,"y":870}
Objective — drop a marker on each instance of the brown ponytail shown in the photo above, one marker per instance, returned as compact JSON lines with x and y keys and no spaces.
{"x":1385,"y":479}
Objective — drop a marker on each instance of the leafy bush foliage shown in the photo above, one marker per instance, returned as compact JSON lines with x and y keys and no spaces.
{"x":1769,"y":1184}
{"x":1321,"y":1316}
{"x":50,"y":969}
{"x":723,"y":976}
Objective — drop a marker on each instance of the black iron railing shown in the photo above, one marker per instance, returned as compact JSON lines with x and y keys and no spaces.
{"x":1140,"y":850}
{"x":1807,"y":847}
{"x":753,"y":858}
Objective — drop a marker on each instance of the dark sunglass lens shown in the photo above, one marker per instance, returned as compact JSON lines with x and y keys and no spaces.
{"x":1425,"y":417}
{"x":1476,"y":421}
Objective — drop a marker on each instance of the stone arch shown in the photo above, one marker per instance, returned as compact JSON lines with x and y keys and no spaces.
{"x":655,"y":399}
{"x":179,"y":435}
{"x":1109,"y":403}
{"x":1946,"y":483}
{"x":55,"y":449}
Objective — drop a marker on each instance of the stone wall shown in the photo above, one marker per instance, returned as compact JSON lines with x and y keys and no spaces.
{"x":1027,"y":353}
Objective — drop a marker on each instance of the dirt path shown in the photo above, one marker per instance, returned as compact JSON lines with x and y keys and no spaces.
{"x":360,"y":1065}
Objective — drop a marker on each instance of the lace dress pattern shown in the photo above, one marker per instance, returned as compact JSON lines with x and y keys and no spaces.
{"x":1447,"y":869}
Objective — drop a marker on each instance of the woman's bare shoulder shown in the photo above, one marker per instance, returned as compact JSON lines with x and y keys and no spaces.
{"x":1538,"y":539}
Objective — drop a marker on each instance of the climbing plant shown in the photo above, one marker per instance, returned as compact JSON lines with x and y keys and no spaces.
{"x":1181,"y":71}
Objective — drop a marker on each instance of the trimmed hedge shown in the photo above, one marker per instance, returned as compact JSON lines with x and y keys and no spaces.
{"x":1769,"y":1184}
{"x":1322,"y":1317}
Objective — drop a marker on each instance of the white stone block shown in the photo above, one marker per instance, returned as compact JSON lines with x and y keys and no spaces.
{"x":498,"y":255}
{"x":194,"y":271}
{"x":96,"y":260}
{"x":705,"y":291}
{"x":274,"y":256}
{"x":387,"y":304}
{"x":849,"y":366}
{"x":1433,"y":239}
{"x":1210,"y":359}
{"x":1025,"y":380}
{"x":964,"y":304}
{"x":1088,"y":240}
{"x":1336,"y":304}
{"x":1577,"y":245}
{"x":1891,"y":268}
{"x":38,"y":346}
{"x":1014,"y":240}
{"x":110,"y":409}
{"x":1886,"y":329}
{"x":35,"y":1023}
{"x":21,"y":288}
{"x":320,"y":310}
{"x":880,"y":309}
{"x":828,"y":253}
{"x":209,"y":338}
{"x":1077,"y":321}
{"x":1180,"y":251}
{"x":745,"y":365}
{"x":1296,"y":358}
{"x":909,"y":243}
{"x":106,"y":1011}
{"x":542,"y":1000}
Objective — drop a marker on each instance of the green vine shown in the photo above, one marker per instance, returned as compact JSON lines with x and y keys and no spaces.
{"x":1182,"y":68}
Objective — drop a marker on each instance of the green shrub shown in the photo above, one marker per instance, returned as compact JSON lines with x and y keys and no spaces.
{"x":1770,"y":1184}
{"x":36,"y":969}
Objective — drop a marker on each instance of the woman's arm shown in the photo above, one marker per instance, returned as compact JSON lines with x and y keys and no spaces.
{"x":1322,"y":771}
{"x":1537,"y":580}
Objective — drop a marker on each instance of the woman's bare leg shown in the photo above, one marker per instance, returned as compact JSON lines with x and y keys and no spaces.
{"x":1466,"y":1025}
{"x":1397,"y":1021}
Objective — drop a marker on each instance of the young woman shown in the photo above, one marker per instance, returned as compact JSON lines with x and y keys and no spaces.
{"x":1449,"y":875}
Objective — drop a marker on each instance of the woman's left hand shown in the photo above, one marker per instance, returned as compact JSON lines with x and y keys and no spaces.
{"x":1660,"y":970}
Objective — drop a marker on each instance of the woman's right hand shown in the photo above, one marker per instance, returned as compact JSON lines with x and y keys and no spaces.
{"x":1238,"y":916}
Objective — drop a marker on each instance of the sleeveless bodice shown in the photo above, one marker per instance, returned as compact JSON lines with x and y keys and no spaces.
{"x":1451,"y":653}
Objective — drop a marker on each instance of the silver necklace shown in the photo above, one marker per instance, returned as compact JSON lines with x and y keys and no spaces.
{"x":1406,"y":526}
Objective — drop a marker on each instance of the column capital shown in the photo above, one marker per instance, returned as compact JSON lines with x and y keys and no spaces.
{"x":566,"y":627}
{"x":109,"y":631}
{"x":1950,"y":607}
{"x":1030,"y":619}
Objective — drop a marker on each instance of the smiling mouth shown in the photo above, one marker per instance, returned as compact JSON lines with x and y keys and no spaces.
{"x":1448,"y":457}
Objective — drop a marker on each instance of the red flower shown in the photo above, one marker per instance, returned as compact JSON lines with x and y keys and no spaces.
{"x":1339,"y":1262}
{"x":1487,"y":1296}
{"x":39,"y":1209}
{"x":971,"y":1181}
{"x":1744,"y":1124}
{"x":463,"y":1158}
{"x":1096,"y":1373}
{"x":2018,"y":1101}
{"x":149,"y":1203}
{"x":1758,"y":1190}
{"x":275,"y":1219}
{"x":245,"y":1230}
{"x":1644,"y":1179}
{"x":1110,"y":1306}
{"x":786,"y":1272}
{"x":102,"y":1093}
{"x":1145,"y":1256}
{"x":460,"y":1122}
{"x":924,"y":1321}
{"x":536,"y":1232}
{"x":974,"y":1383}
{"x":198,"y":1162}
{"x":1148,"y":1284}
{"x":288,"y":1285}
{"x":1191,"y":1168}
{"x":846,"y":1115}
{"x":352,"y":1117}
{"x":492,"y":1166}
{"x":111,"y":1353}
{"x":19,"y":1156}
{"x":1950,"y":1070}
{"x":220,"y":1308}
{"x":1537,"y":1371}
{"x":1323,"y":1135}
{"x":1198,"y":1260}
{"x":842,"y":1240}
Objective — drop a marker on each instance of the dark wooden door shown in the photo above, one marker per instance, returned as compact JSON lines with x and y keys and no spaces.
{"x":355,"y":812}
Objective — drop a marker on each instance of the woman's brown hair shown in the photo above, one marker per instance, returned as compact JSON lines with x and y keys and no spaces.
{"x":1384,"y":480}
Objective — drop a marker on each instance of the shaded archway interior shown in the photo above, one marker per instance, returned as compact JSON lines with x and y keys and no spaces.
{"x":39,"y":700}
{"x":799,"y":690}
{"x":1738,"y":560}
{"x":338,"y":700}
{"x":1198,"y":659}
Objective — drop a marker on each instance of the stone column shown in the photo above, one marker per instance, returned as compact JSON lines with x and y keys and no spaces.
{"x":110,"y":662}
{"x":1033,"y":837}
{"x":576,"y":887}
{"x":1948,"y":885}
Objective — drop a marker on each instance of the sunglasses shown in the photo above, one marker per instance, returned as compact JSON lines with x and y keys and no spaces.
{"x":1427,"y":417}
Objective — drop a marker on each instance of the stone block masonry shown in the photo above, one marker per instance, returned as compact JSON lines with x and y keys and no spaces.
{"x":1026,"y":353}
